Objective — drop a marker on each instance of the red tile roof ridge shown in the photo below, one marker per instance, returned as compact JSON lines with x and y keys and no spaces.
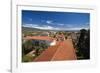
{"x":73,"y":57}
{"x":40,"y":38}
{"x":56,"y":51}
{"x":56,"y":46}
{"x":55,"y":55}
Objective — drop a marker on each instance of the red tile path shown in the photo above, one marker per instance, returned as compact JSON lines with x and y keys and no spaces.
{"x":62,"y":51}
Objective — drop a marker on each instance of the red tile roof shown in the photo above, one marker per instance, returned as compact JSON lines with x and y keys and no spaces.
{"x":62,"y":51}
{"x":39,"y":38}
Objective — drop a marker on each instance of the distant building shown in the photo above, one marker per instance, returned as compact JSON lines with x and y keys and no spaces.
{"x":60,"y":37}
{"x":44,"y":34}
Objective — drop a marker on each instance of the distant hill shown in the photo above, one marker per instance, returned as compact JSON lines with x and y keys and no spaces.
{"x":28,"y":29}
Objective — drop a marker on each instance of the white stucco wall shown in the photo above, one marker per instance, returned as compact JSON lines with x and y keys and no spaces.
{"x":53,"y":43}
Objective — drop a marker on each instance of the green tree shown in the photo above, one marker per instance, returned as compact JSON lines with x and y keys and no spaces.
{"x":83,"y":44}
{"x":27,"y":47}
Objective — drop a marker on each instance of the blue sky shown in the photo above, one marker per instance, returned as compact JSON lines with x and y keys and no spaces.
{"x":55,"y":20}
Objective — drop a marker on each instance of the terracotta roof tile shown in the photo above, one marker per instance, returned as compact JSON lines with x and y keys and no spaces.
{"x":62,"y":51}
{"x":39,"y":38}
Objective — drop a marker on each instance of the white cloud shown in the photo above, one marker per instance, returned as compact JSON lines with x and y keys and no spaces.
{"x":66,"y":25}
{"x":48,"y":27}
{"x":42,"y":20}
{"x":48,"y":21}
{"x":39,"y":27}
{"x":30,"y":25}
{"x":69,"y":25}
{"x":45,"y":27}
{"x":30,"y":19}
{"x":87,"y":23}
{"x":61,"y":24}
{"x":74,"y":28}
